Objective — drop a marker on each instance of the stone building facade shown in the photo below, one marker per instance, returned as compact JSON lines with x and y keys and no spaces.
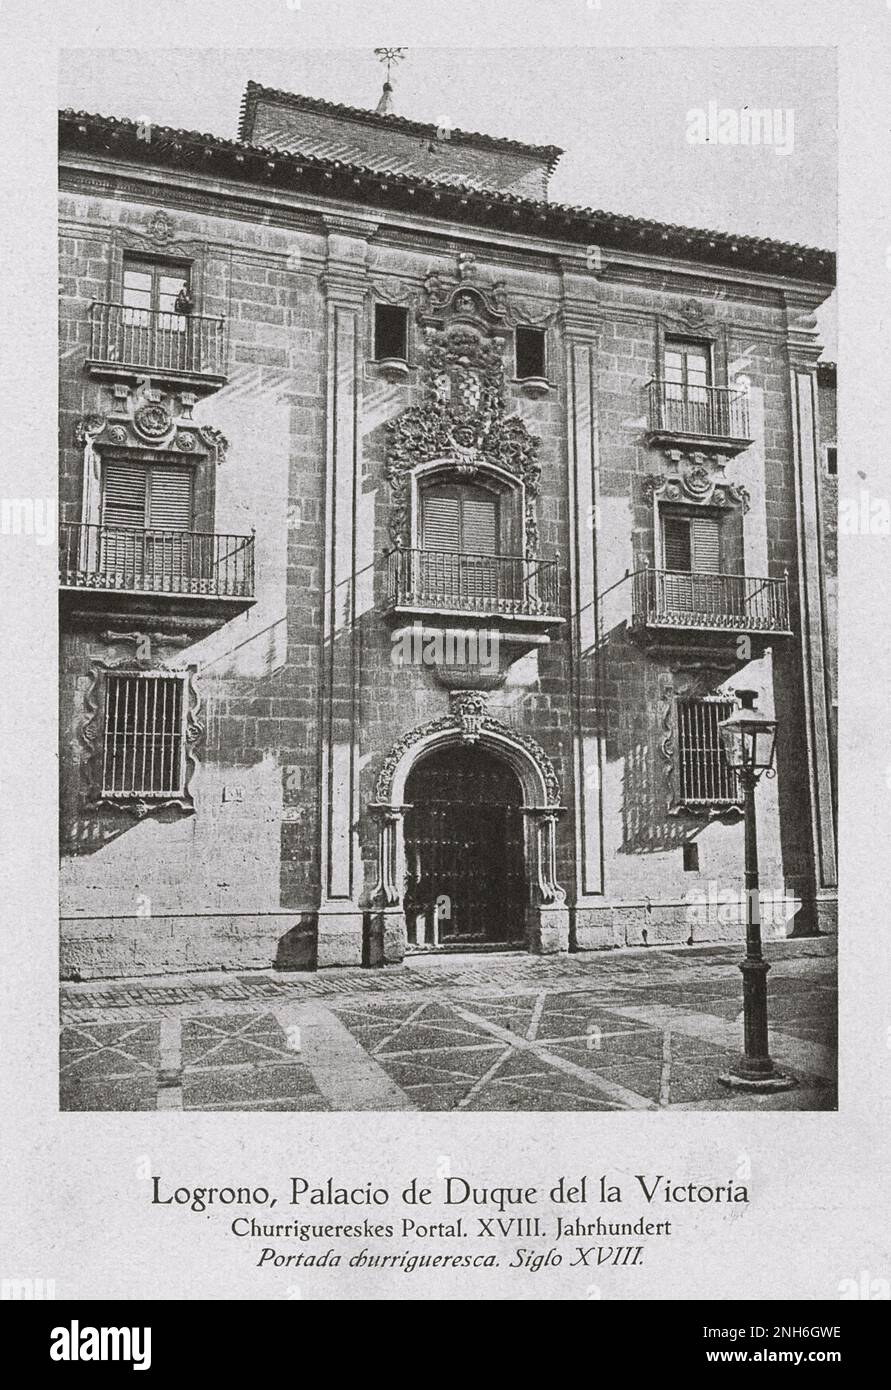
{"x":415,"y":535}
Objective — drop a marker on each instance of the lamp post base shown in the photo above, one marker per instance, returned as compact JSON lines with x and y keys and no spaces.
{"x":764,"y":1084}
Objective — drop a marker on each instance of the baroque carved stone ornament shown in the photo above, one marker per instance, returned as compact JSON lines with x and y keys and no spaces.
{"x":215,"y":439}
{"x":697,"y":478}
{"x":462,"y":419}
{"x":160,"y":227}
{"x":146,"y":425}
{"x":469,"y":719}
{"x":86,"y":427}
{"x":469,"y":707}
{"x":463,"y":294}
{"x":693,"y":312}
{"x":153,"y":421}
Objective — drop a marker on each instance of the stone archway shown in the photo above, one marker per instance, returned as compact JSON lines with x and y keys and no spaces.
{"x":468,"y":722}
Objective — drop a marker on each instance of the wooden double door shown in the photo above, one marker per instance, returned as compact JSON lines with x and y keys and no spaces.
{"x":465,"y":851}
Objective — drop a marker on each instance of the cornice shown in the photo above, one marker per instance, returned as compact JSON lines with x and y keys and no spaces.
{"x":303,"y":211}
{"x":190,"y":151}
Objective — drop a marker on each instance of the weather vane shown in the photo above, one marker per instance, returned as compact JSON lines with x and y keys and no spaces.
{"x":390,"y":56}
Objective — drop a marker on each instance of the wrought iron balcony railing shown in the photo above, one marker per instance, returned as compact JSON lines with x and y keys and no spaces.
{"x":450,"y":581}
{"x":735,"y":602}
{"x":154,"y":341}
{"x":155,"y":562}
{"x":699,"y":412}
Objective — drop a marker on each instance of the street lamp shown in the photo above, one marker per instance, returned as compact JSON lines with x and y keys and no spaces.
{"x":749,"y":739}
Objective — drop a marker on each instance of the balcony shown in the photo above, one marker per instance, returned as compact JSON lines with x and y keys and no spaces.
{"x":155,"y":572}
{"x":669,"y":601}
{"x":717,"y":416}
{"x":179,"y":350}
{"x":510,"y":589}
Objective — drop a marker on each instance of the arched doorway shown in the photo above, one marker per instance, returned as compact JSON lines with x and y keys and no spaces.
{"x":464,"y":850}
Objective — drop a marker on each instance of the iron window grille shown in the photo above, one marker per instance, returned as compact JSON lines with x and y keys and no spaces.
{"x":705,"y":778}
{"x":144,"y":737}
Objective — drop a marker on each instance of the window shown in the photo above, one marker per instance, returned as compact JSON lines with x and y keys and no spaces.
{"x":691,"y":544}
{"x":831,"y":460}
{"x":154,"y":286}
{"x":461,"y":546}
{"x":691,"y":858}
{"x":686,"y":406}
{"x":157,"y":497}
{"x":529,"y":346}
{"x":143,"y":751}
{"x":145,"y":535}
{"x":459,"y":519}
{"x":390,"y":333}
{"x":704,"y":775}
{"x":687,"y":368}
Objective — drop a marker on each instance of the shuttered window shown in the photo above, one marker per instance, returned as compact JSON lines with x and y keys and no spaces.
{"x":170,"y":499}
{"x":479,"y":526}
{"x":145,"y":540}
{"x":143,"y":747}
{"x":460,"y":520}
{"x":460,"y":540}
{"x":704,"y":775}
{"x":441,"y":523}
{"x":706,"y":534}
{"x":123,"y":495}
{"x":677,"y":548}
{"x":691,"y":543}
{"x":155,"y":498}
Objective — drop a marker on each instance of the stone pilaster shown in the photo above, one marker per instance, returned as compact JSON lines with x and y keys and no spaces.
{"x":340,"y":913}
{"x":388,"y":934}
{"x":581,"y":326}
{"x":803,"y":351}
{"x":547,"y":923}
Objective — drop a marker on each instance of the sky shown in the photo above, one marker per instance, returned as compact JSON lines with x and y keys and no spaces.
{"x":621,"y":116}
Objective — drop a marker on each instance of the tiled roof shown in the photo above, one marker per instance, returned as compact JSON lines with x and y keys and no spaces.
{"x":189,"y":150}
{"x":549,"y":154}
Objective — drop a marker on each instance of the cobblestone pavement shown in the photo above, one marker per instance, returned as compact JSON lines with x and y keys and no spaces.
{"x":626,"y":1030}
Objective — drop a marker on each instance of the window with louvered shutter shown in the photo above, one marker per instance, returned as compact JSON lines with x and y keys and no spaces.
{"x":460,"y":538}
{"x":123,"y":495}
{"x":705,"y":534}
{"x":137,"y":497}
{"x":676,"y":545}
{"x":479,"y":526}
{"x":146,"y":517}
{"x":691,"y":543}
{"x":170,"y":499}
{"x":441,"y":523}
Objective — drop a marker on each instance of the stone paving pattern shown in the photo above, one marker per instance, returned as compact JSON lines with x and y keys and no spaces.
{"x":626,"y":1030}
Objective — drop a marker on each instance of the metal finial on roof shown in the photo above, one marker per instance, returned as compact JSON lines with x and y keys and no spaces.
{"x":390,"y":56}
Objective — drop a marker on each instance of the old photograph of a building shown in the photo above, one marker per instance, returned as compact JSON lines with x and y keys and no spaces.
{"x":447,"y":621}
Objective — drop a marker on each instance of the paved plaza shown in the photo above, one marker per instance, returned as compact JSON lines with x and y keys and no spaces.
{"x":625,"y":1030}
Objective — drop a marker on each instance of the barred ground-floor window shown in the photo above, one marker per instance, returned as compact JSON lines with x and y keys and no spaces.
{"x":144,"y":749}
{"x":704,"y":775}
